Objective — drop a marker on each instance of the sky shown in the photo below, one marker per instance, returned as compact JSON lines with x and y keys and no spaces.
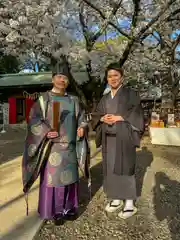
{"x":125,"y":25}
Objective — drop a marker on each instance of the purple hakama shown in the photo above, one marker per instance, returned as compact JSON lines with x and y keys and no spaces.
{"x":56,"y":200}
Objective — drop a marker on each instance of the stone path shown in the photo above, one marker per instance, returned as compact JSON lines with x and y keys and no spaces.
{"x":158,"y":218}
{"x":13,"y":221}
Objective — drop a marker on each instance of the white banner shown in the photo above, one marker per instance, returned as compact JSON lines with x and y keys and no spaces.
{"x":6,"y":113}
{"x":1,"y":113}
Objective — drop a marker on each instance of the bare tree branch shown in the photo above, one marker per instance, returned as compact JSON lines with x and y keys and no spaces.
{"x":136,"y":12}
{"x":141,"y":33}
{"x":90,"y":4}
{"x":103,"y":28}
{"x":173,"y":14}
{"x":89,"y":37}
{"x":176,"y":43}
{"x":132,"y":41}
{"x":126,"y":52}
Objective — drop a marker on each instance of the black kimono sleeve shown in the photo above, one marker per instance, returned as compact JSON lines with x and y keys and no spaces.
{"x":96,"y":122}
{"x":135,"y":118}
{"x":135,"y":115}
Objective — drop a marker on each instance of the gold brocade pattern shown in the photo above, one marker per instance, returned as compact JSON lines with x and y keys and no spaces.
{"x":55,"y":159}
{"x":64,"y":142}
{"x":66,"y":177}
{"x":36,"y":129}
{"x":49,"y":179}
{"x":64,"y":146}
{"x":31,"y":150}
{"x":64,"y":139}
{"x":31,"y":167}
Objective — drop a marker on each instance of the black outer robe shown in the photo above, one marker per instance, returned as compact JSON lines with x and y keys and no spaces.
{"x":120,"y":141}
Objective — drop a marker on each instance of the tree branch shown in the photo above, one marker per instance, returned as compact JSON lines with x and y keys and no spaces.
{"x":142,"y":33}
{"x":140,"y":36}
{"x":169,"y":18}
{"x":85,"y":31}
{"x":112,"y":14}
{"x":89,"y":37}
{"x":154,"y":20}
{"x":136,"y":12}
{"x":131,"y":43}
{"x":177,"y":41}
{"x":88,"y":2}
{"x":160,"y":40}
{"x":126,"y":52}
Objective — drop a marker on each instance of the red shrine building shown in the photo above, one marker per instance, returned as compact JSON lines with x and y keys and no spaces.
{"x":18,"y":92}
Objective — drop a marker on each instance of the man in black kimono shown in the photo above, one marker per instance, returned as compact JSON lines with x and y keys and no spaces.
{"x":119,"y":124}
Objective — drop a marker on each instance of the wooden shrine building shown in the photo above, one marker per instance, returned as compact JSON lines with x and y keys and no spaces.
{"x":18,"y":92}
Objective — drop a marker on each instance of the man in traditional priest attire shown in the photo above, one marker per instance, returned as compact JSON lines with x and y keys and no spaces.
{"x":119,"y":125}
{"x":56,"y":145}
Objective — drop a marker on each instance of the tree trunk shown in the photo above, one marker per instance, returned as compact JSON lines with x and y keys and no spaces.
{"x":167,"y":96}
{"x":170,"y":88}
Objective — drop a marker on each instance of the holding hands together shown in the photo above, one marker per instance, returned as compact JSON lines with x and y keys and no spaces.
{"x":111,"y":119}
{"x":52,"y":134}
{"x":80,"y":132}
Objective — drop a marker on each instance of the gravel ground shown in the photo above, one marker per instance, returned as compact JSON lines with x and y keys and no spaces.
{"x":158,"y":181}
{"x":158,"y":175}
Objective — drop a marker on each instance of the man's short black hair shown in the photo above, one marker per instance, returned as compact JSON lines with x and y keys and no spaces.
{"x":113,"y":66}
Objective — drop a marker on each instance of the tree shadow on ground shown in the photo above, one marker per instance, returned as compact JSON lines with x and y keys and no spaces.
{"x":11,"y":144}
{"x":85,"y":194}
{"x":171,"y":153}
{"x":166,"y":202}
{"x":144,"y":160}
{"x":24,"y":229}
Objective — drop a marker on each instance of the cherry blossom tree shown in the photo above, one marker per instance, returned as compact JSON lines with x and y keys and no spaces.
{"x":37,"y":27}
{"x":77,"y":32}
{"x":135,"y":52}
{"x":143,"y":16}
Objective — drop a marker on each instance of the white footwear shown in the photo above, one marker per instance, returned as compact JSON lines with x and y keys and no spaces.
{"x":113,"y":206}
{"x":127,"y":213}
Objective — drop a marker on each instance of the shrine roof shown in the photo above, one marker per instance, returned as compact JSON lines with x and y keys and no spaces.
{"x":27,"y":79}
{"x":20,"y":79}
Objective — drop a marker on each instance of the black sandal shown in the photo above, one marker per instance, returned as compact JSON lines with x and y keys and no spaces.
{"x":59,"y":220}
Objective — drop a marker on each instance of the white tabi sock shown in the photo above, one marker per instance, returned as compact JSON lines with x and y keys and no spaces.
{"x":116,"y":202}
{"x":114,"y":205}
{"x":129,"y":209}
{"x":129,"y":204}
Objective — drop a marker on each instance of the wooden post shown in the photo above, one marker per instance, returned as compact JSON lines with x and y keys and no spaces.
{"x":12,"y":110}
{"x":28,"y":103}
{"x":56,"y":117}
